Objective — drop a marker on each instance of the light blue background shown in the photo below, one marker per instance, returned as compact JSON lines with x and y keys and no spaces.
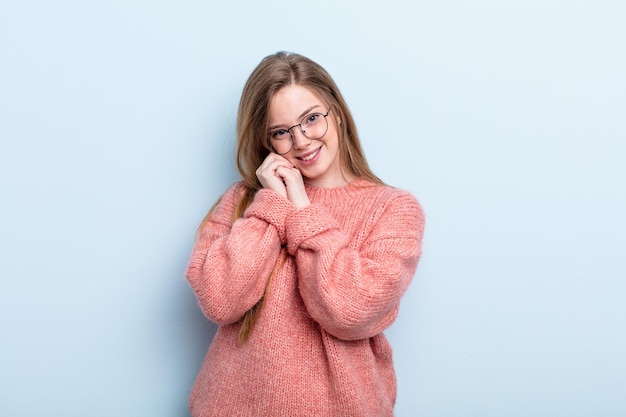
{"x":505,"y":118}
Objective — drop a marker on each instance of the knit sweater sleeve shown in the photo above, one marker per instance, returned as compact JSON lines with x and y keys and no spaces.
{"x":355,"y":293}
{"x":231,"y":262}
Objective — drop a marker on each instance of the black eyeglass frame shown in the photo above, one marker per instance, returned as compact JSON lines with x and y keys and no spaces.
{"x":269,"y":135}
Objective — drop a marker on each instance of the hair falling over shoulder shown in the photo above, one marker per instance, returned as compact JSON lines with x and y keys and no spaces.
{"x":272,"y":74}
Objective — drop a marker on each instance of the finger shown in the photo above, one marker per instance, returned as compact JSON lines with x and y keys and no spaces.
{"x":273,"y":160}
{"x":290,"y":175}
{"x":277,"y":159}
{"x":269,"y":166}
{"x":277,"y":170}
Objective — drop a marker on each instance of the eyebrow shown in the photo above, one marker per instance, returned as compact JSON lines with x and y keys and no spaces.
{"x":304,"y":113}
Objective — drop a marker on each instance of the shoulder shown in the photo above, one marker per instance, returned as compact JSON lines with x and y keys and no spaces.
{"x":235,"y":192}
{"x":226,"y":204}
{"x":395,"y":209}
{"x":384,"y":196}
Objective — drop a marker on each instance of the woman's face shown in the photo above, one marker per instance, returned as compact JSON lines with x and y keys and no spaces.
{"x":317,"y":159}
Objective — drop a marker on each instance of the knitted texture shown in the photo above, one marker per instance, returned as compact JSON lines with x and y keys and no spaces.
{"x":317,"y":348}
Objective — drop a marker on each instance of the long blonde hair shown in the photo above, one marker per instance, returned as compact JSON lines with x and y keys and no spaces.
{"x":272,"y":74}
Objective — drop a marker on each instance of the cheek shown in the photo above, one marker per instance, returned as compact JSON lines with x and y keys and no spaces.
{"x":335,"y":139}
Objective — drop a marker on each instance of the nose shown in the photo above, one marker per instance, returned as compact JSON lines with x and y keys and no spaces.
{"x":300,"y":141}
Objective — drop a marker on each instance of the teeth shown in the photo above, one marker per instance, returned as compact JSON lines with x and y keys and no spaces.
{"x":308,"y":158}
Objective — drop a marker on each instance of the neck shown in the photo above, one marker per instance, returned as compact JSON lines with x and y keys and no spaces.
{"x":339,"y":181}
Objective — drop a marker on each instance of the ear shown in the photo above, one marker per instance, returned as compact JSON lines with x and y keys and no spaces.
{"x":337,"y":117}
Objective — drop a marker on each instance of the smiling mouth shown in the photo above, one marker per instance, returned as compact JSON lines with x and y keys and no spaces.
{"x":309,"y":156}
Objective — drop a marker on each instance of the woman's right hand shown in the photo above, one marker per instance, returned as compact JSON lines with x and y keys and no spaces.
{"x":266,"y":173}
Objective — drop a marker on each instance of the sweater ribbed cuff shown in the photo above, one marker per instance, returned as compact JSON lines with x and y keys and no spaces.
{"x":306,"y":223}
{"x":271,"y":207}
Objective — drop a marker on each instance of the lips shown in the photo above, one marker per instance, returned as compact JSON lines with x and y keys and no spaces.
{"x":309,"y":156}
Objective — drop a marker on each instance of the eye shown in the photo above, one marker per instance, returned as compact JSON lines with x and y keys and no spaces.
{"x":278,"y":134}
{"x":312,"y":118}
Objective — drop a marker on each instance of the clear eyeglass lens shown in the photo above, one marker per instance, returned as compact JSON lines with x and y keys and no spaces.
{"x":281,"y":142}
{"x":314,"y":126}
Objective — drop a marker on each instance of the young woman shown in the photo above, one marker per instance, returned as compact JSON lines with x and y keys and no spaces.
{"x":302,"y":263}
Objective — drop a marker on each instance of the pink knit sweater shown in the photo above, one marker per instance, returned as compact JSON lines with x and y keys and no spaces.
{"x":317,"y":348}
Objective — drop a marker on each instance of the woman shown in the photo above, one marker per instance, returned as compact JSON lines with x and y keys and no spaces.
{"x":302,"y":263}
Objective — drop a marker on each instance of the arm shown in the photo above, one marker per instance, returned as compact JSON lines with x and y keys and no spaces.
{"x":231,"y":262}
{"x":355,"y":294}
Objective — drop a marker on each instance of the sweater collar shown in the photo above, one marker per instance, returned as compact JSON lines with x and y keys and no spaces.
{"x":344,"y":191}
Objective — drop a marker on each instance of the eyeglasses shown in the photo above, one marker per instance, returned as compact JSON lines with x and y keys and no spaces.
{"x":313,"y":126}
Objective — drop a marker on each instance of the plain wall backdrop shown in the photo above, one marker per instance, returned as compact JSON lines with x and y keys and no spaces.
{"x":505,"y":118}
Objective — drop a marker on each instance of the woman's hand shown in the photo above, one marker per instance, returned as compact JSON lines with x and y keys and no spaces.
{"x":280,"y":175}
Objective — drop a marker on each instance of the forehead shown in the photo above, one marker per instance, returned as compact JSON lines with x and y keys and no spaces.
{"x":290,"y":101}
